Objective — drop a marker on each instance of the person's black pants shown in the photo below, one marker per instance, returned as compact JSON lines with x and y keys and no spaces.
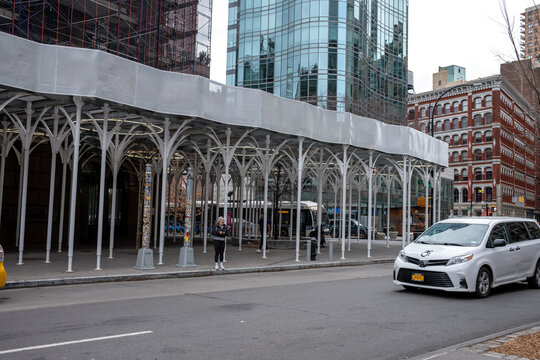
{"x":219,"y":247}
{"x":261,"y":242}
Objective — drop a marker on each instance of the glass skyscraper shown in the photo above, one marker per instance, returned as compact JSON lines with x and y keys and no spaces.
{"x":344,"y":55}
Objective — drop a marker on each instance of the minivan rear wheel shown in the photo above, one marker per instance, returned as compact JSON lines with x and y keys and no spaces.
{"x":534,"y":281}
{"x":483,"y":283}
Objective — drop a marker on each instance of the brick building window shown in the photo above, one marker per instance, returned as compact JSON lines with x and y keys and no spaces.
{"x":464,"y":176}
{"x":456,"y":175}
{"x":447,"y":108}
{"x":488,"y":173}
{"x":477,"y":103}
{"x":477,"y":174}
{"x":447,"y":124}
{"x":477,"y":194}
{"x":488,"y":101}
{"x":411,"y":114}
{"x":464,"y":138}
{"x":464,"y":122}
{"x":489,"y":194}
{"x":488,"y":153}
{"x":455,"y":105}
{"x":455,"y":123}
{"x":455,"y":157}
{"x":477,"y":137}
{"x":456,"y":195}
{"x":477,"y":120}
{"x":464,"y":106}
{"x":477,"y":155}
{"x":488,"y":118}
{"x":464,"y":195}
{"x":488,"y":135}
{"x":464,"y":155}
{"x":455,"y":140}
{"x":423,"y":112}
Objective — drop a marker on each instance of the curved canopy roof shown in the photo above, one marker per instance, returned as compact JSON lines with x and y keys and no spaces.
{"x":68,"y":71}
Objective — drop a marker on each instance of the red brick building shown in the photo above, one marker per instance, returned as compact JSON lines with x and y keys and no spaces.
{"x":524,"y":77}
{"x":491,"y":132}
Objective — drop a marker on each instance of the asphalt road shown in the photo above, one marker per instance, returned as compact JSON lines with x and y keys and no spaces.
{"x":339,"y":313}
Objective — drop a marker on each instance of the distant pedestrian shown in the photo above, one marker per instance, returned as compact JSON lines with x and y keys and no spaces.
{"x":261,"y":232}
{"x":220,"y":233}
{"x":313,"y":234}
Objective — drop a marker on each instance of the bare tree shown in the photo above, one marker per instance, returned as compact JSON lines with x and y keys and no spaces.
{"x":522,"y":66}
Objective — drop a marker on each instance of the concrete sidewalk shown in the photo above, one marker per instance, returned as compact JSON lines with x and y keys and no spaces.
{"x":34,"y":272}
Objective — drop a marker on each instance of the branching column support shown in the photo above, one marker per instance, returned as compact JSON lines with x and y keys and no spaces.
{"x":227,"y":153}
{"x":56,"y":138}
{"x":360,"y":184}
{"x":157,"y":166}
{"x":26,"y":134}
{"x":207,"y":161}
{"x":402,"y":172}
{"x":167,"y":146}
{"x":320,"y":169}
{"x":115,"y":153}
{"x":434,"y":200}
{"x":66,"y":152}
{"x":409,"y":219}
{"x":105,"y":138}
{"x":368,"y":170}
{"x":426,"y":178}
{"x":243,"y":168}
{"x":76,"y":132}
{"x":8,"y":139}
{"x":267,"y":161}
{"x":388,"y":179}
{"x":370,"y":196}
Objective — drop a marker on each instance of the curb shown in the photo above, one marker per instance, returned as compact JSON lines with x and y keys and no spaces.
{"x":447,"y":350}
{"x":184,"y":274}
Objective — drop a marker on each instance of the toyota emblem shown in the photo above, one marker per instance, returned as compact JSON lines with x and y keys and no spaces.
{"x":426,"y":253}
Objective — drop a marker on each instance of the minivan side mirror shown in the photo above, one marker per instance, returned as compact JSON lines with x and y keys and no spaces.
{"x":499,"y":243}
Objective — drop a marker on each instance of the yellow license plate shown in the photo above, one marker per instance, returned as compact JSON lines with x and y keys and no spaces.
{"x":418,"y":277}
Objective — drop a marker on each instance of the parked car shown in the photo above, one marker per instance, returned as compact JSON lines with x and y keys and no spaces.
{"x":472,"y":255}
{"x":3,"y":275}
{"x":355,"y":225}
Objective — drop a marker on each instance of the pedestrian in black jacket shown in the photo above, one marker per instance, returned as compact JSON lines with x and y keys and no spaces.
{"x":220,"y":233}
{"x":313,"y":234}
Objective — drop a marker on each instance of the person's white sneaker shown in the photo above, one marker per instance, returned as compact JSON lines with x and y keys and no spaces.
{"x":258,"y":251}
{"x":222,"y":267}
{"x":216,"y":267}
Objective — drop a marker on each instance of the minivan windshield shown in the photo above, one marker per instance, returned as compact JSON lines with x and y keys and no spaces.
{"x":454,"y":234}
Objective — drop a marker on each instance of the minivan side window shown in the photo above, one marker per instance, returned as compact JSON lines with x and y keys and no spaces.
{"x":517,"y":232}
{"x":498,"y":232}
{"x":534,"y":229}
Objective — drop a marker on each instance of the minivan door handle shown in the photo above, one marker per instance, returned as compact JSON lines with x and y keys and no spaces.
{"x":518,"y":248}
{"x":511,"y":249}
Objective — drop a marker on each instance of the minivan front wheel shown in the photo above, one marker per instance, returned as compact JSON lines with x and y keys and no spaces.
{"x":483,"y":283}
{"x":534,"y":281}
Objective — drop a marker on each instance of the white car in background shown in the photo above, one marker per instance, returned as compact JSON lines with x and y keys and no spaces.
{"x":472,"y":255}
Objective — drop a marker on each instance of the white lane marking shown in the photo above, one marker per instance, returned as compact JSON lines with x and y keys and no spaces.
{"x":73,"y":342}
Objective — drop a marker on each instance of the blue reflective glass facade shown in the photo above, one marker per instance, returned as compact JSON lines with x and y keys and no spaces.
{"x":344,"y":55}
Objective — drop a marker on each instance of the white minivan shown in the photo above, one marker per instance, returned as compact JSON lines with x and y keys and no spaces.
{"x":472,"y":255}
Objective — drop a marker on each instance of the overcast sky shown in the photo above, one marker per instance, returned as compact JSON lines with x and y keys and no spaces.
{"x":468,"y":33}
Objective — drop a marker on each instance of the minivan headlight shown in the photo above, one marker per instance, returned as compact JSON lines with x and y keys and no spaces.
{"x":459,"y":259}
{"x":402,"y":256}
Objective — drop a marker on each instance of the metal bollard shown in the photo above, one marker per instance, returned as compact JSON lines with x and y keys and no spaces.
{"x":308,"y":251}
{"x":330,"y":250}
